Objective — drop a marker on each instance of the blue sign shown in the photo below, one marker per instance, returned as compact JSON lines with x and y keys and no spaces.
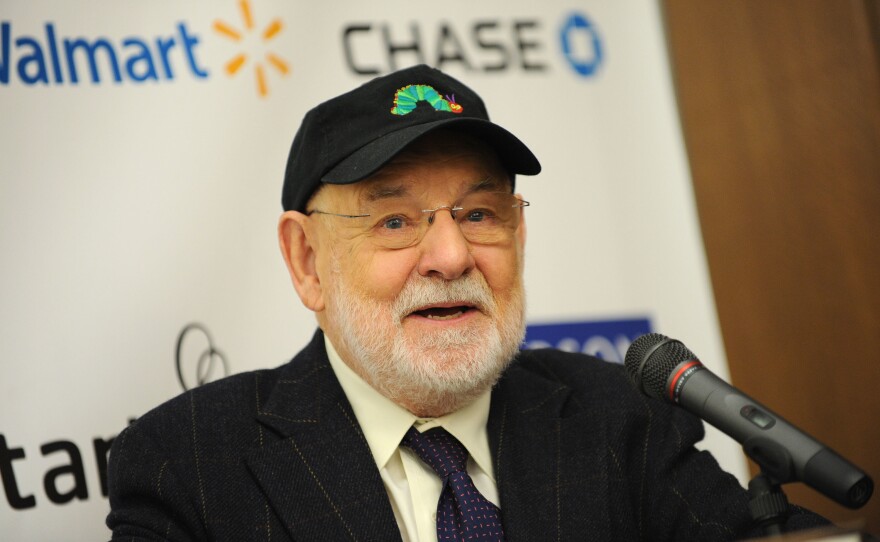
{"x":606,"y":339}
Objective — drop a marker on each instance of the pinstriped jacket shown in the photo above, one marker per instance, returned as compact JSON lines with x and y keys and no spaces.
{"x":277,"y":455}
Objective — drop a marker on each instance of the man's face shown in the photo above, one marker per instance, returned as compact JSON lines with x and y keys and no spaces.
{"x":431,"y":325}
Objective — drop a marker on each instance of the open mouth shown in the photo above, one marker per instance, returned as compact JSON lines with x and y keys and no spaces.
{"x":444,"y":313}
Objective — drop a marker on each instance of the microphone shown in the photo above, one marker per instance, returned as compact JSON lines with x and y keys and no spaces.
{"x":664,"y":368}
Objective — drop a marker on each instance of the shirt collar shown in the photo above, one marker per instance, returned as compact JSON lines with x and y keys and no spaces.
{"x":384,"y":422}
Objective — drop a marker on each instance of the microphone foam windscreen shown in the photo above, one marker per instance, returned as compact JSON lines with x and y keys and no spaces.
{"x":664,"y":354}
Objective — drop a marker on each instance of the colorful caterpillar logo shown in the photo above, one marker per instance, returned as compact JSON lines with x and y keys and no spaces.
{"x":407,"y":98}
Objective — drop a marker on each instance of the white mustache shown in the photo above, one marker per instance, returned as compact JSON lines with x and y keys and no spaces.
{"x":420,"y":292}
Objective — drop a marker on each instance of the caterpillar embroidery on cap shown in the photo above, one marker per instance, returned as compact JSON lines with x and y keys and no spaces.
{"x":407,"y":98}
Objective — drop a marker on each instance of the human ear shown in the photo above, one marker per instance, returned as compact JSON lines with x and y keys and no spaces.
{"x":298,"y":247}
{"x":521,"y":230}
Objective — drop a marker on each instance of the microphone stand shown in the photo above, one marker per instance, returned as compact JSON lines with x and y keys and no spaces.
{"x":767,"y":504}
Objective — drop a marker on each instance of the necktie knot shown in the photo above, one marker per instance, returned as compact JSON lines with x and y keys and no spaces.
{"x":438,"y":449}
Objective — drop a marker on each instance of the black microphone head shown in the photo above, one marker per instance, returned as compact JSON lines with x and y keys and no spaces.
{"x":650,"y":361}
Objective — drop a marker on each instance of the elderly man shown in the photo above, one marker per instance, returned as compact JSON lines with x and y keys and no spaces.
{"x":412,"y":414}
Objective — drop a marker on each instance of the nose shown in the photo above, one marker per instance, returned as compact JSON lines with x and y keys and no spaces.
{"x":444,"y":252}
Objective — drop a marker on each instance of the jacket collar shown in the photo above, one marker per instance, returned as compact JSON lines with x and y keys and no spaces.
{"x":319,"y":475}
{"x":543,"y":445}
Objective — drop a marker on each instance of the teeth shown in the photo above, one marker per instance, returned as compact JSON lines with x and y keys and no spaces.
{"x":447,"y":317}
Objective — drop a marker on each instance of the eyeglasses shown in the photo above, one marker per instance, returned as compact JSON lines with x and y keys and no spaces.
{"x":484,"y":218}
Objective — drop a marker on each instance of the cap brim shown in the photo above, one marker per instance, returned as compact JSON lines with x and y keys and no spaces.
{"x":513,"y":153}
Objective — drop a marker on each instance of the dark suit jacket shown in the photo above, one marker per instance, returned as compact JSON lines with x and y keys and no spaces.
{"x":278,"y":455}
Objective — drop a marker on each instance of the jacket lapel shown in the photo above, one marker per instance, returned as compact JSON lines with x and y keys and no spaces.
{"x":551,"y":475}
{"x":315,"y":466}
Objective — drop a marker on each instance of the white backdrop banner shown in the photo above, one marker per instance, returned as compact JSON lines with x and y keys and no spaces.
{"x":143,"y":148}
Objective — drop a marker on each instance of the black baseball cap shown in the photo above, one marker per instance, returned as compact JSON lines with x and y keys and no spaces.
{"x":350,"y":137}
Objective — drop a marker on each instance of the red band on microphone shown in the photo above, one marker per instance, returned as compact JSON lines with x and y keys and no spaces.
{"x":673,"y":382}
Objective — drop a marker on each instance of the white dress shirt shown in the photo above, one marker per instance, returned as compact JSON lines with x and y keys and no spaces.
{"x":413,"y":487}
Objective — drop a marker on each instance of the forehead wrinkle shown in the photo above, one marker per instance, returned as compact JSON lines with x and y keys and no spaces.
{"x":385,"y":190}
{"x":382,"y":191}
{"x":488,"y":184}
{"x":399,"y":179}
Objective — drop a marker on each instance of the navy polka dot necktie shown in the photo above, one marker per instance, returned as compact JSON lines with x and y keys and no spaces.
{"x":462,"y":513}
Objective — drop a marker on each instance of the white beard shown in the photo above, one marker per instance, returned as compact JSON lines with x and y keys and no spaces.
{"x":430,"y":374}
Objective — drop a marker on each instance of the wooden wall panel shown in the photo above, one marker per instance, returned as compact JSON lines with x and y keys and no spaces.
{"x":780,"y":104}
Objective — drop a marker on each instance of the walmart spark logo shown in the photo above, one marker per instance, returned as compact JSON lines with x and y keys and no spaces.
{"x":263,"y":38}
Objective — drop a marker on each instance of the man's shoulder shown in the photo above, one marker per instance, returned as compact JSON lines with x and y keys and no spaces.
{"x":581,"y":372}
{"x":234,"y":398}
{"x":590,"y":383}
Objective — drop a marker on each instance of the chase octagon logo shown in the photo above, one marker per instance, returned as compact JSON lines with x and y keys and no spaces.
{"x":61,"y":56}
